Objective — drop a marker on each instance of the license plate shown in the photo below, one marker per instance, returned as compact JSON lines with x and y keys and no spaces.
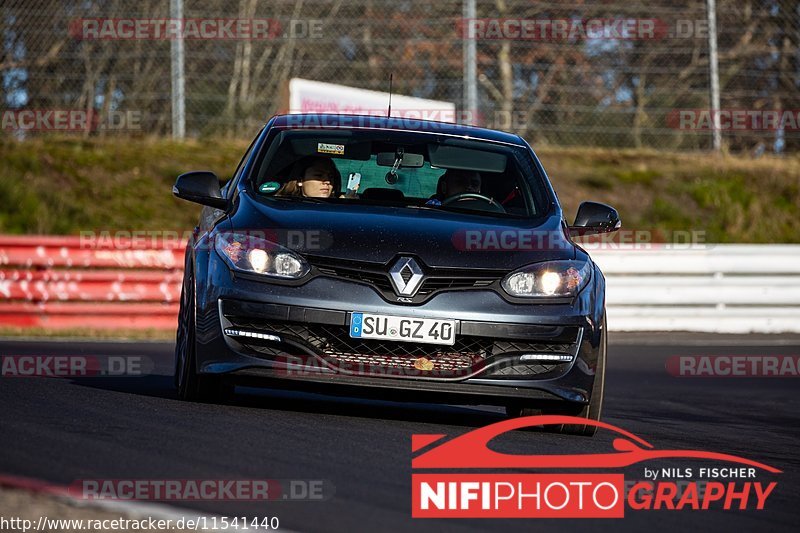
{"x":400,"y":328}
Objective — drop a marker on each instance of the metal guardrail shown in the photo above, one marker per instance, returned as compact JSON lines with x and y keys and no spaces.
{"x":715,"y":288}
{"x":63,"y":283}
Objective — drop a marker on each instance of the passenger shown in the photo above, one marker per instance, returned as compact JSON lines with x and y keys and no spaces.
{"x":312,"y":177}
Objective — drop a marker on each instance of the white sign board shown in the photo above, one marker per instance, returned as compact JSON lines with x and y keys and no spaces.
{"x":306,"y":96}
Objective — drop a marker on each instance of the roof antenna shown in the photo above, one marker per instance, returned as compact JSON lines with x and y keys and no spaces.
{"x":389,"y":114}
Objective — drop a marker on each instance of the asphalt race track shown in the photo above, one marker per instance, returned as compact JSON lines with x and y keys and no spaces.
{"x":62,"y":430}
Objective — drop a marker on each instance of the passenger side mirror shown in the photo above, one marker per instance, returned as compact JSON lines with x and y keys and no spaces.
{"x":593,"y":218}
{"x":200,"y":187}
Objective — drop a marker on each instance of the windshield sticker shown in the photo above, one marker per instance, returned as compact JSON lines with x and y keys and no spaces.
{"x":269,"y":187}
{"x":324,"y":148}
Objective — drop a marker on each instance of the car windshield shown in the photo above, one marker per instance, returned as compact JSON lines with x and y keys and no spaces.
{"x":401,"y":169}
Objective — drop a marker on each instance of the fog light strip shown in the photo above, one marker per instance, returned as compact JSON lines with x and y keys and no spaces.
{"x":545,"y":357}
{"x":253,"y":334}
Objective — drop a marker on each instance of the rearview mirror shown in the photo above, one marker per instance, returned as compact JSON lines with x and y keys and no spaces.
{"x":200,"y":187}
{"x":593,"y":218}
{"x":387,"y":159}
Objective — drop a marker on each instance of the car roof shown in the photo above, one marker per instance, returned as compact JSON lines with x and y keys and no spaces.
{"x":409,"y":124}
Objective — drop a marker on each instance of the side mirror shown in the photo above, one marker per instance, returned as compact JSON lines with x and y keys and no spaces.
{"x":200,"y":187}
{"x":593,"y":218}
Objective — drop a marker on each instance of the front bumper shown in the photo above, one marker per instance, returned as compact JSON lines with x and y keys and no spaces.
{"x":298,"y":337}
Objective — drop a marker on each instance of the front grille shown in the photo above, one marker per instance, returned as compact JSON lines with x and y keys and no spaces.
{"x":379,"y":280}
{"x":432,"y":285}
{"x":377,"y":276}
{"x":444,"y":362}
{"x":374,"y":356}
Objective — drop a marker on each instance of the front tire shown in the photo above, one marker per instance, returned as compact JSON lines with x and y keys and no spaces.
{"x":191,"y":385}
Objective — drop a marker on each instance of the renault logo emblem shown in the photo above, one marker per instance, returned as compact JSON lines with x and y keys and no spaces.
{"x":406,"y":276}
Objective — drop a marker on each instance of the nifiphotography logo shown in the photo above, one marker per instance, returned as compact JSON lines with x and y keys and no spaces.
{"x":493,"y":486}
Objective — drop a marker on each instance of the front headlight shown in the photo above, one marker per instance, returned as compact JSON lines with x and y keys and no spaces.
{"x":548,"y":279}
{"x":247,"y":253}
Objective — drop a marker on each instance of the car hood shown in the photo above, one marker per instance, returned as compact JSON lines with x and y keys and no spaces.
{"x":379,"y":233}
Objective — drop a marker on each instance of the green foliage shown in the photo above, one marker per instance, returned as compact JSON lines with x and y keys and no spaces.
{"x":729,"y":199}
{"x":60,"y":185}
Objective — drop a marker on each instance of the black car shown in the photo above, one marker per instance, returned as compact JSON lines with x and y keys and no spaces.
{"x":396,"y":258}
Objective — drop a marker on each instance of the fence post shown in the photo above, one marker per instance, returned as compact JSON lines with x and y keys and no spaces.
{"x":713,"y":72}
{"x":177,"y":63}
{"x":470,"y":72}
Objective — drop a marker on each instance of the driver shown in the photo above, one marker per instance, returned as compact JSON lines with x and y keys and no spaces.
{"x":454,"y":182}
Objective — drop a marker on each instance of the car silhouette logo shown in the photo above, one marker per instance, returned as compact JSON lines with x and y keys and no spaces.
{"x":471,"y":450}
{"x":406,"y":276}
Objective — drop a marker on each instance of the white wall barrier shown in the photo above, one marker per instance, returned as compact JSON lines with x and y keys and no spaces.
{"x":713,"y":288}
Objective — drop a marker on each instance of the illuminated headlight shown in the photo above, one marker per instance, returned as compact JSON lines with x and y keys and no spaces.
{"x":248,"y":253}
{"x":259,"y":260}
{"x":549,"y":279}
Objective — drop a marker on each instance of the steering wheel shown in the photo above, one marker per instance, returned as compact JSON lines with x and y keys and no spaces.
{"x":491,"y":204}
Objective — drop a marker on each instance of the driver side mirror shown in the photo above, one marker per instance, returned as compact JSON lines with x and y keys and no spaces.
{"x":200,"y":187}
{"x":593,"y":218}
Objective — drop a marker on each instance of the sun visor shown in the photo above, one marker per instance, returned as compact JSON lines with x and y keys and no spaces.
{"x":329,"y":144}
{"x":289,"y":146}
{"x":444,"y":156}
